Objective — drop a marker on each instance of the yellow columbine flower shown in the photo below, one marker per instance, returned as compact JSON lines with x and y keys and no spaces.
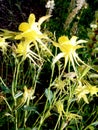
{"x":59,"y":84}
{"x":70,"y":116}
{"x":68,"y":50}
{"x":3,"y":45}
{"x":59,"y":106}
{"x":27,"y":95}
{"x":81,"y":92}
{"x":24,"y":49}
{"x":93,"y":90}
{"x":31,"y":30}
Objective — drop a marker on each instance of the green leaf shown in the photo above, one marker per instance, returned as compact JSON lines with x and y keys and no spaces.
{"x":3,"y":86}
{"x":95,"y":123}
{"x":93,"y":76}
{"x":5,"y":89}
{"x":95,"y":50}
{"x":18,"y":94}
{"x":49,"y":95}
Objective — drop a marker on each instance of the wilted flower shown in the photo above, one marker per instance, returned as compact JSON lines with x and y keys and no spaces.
{"x":3,"y":45}
{"x":68,"y":50}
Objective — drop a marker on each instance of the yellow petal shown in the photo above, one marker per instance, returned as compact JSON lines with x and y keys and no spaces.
{"x":63,"y":39}
{"x":18,"y":36}
{"x":30,"y":34}
{"x":81,"y":41}
{"x":2,"y":40}
{"x":73,"y":40}
{"x":31,"y":19}
{"x":93,"y":90}
{"x":24,"y":26}
{"x":60,"y":55}
{"x":42,"y":19}
{"x":56,"y":44}
{"x":85,"y":99}
{"x":66,"y":61}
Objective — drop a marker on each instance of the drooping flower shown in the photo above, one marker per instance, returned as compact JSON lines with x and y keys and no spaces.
{"x":3,"y":45}
{"x":27,"y":95}
{"x":68,"y":50}
{"x":23,"y":49}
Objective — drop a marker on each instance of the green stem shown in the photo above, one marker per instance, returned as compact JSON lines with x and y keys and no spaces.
{"x":14,"y":90}
{"x":70,"y":96}
{"x":26,"y":112}
{"x":57,"y":122}
{"x":43,"y":115}
{"x":7,"y":103}
{"x":16,"y":120}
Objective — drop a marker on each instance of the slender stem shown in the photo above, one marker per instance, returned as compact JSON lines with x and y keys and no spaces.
{"x":14,"y":90}
{"x":63,"y":70}
{"x":7,"y":103}
{"x":57,"y":122}
{"x":70,"y":95}
{"x":43,"y":115}
{"x":16,"y":120}
{"x":26,"y":112}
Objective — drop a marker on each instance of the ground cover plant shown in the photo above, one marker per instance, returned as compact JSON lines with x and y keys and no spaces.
{"x":48,"y":78}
